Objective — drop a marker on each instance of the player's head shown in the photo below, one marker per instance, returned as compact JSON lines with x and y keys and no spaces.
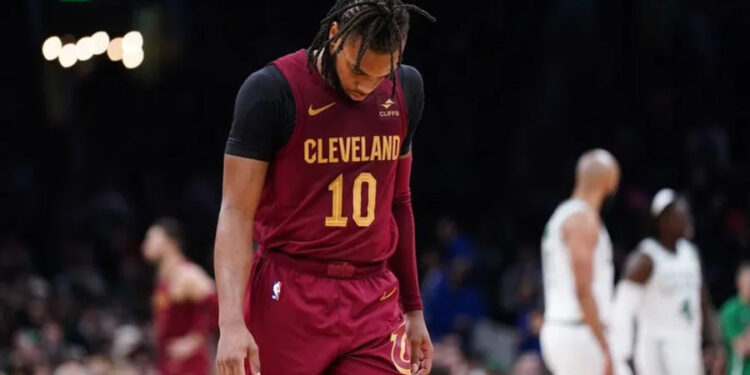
{"x":598,"y":171}
{"x":360,"y":43}
{"x":672,"y":215}
{"x":743,"y":281}
{"x":162,"y":238}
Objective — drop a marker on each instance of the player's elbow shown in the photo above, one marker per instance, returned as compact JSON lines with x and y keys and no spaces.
{"x":402,"y":200}
{"x":235,"y":211}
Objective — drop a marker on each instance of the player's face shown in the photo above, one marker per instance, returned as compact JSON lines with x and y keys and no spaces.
{"x":154,"y":244}
{"x":373,"y":68}
{"x":743,"y":284}
{"x":681,"y":220}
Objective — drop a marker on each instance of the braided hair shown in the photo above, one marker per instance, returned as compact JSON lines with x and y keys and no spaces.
{"x":382,"y":24}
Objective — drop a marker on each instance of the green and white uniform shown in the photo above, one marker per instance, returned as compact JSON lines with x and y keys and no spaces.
{"x":735,"y":320}
{"x":668,"y":340}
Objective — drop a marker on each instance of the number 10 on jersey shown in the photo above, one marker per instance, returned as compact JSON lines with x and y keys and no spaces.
{"x":337,"y":189}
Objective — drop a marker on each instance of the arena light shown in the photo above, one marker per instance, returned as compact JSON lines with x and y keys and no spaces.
{"x":51,"y":48}
{"x":68,"y":55}
{"x":132,"y":41}
{"x":128,"y":48}
{"x":132,"y":58}
{"x":84,"y":48}
{"x":101,"y":42}
{"x":114,"y":50}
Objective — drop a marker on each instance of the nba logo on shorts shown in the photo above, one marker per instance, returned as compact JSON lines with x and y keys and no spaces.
{"x":276,"y":291}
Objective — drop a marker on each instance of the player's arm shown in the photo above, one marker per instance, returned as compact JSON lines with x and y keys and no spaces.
{"x":712,"y":332}
{"x":403,"y":263}
{"x":628,"y":297}
{"x":581,"y":233}
{"x":193,"y":285}
{"x":263,"y":109}
{"x":233,"y":254}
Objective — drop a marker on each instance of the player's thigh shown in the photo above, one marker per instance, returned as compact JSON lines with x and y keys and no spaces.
{"x":385,"y":355}
{"x":656,"y":357}
{"x":571,"y":350}
{"x":291,"y":317}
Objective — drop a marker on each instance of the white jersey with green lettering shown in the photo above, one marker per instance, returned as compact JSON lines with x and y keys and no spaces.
{"x":669,"y":316}
{"x":561,"y":301}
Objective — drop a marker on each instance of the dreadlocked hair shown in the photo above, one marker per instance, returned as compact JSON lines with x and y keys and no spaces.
{"x":382,"y":24}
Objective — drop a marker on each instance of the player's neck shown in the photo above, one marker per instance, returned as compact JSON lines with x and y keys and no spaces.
{"x":670,"y":244}
{"x":592,"y":198}
{"x":319,"y":67}
{"x":169,"y":263}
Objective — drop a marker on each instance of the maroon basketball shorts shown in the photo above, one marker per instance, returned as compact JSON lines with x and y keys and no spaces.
{"x":311,"y":318}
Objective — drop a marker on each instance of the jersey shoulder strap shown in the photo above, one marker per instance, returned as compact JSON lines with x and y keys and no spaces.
{"x":650,"y":247}
{"x":573,"y":206}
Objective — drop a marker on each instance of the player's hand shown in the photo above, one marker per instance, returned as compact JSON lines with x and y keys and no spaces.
{"x":236,"y":345}
{"x":420,"y":344}
{"x":183,"y":347}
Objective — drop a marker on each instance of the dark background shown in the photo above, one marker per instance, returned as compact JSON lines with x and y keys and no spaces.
{"x":515,"y":90}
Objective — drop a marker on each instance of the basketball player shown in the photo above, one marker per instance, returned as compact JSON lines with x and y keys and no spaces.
{"x":578,"y":273}
{"x":735,"y":324}
{"x":316,"y":170}
{"x":184,"y":303}
{"x":663,"y":291}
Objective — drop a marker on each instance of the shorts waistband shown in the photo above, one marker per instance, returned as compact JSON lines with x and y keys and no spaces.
{"x":322,"y":268}
{"x":570,"y":323}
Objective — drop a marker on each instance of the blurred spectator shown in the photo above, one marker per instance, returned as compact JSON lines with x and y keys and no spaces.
{"x":453,"y":303}
{"x":454,"y":242}
{"x":449,"y":358}
{"x":735,"y":325}
{"x":521,"y":283}
{"x":528,"y":364}
{"x":530,"y":324}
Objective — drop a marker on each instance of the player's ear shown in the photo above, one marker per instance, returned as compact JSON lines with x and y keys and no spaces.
{"x":334,"y":29}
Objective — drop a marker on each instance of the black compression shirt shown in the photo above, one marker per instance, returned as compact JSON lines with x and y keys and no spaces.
{"x":264,"y":112}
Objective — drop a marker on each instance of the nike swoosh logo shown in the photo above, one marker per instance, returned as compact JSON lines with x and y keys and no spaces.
{"x":315,"y":111}
{"x":387,"y":295}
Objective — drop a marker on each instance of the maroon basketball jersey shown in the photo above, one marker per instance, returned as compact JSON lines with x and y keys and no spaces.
{"x":329,"y":189}
{"x":174,"y":320}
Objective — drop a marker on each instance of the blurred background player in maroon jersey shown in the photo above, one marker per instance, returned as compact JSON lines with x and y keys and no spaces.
{"x":184,"y":303}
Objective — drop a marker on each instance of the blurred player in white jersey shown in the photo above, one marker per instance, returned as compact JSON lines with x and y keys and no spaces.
{"x":663,"y":291}
{"x":578,"y":273}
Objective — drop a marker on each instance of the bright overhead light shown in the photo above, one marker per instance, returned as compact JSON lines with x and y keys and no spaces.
{"x":51,"y":48}
{"x":132,"y":41}
{"x":101,"y":41}
{"x":84,"y":48}
{"x":68,"y":55}
{"x":131,"y":59}
{"x":114,"y":50}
